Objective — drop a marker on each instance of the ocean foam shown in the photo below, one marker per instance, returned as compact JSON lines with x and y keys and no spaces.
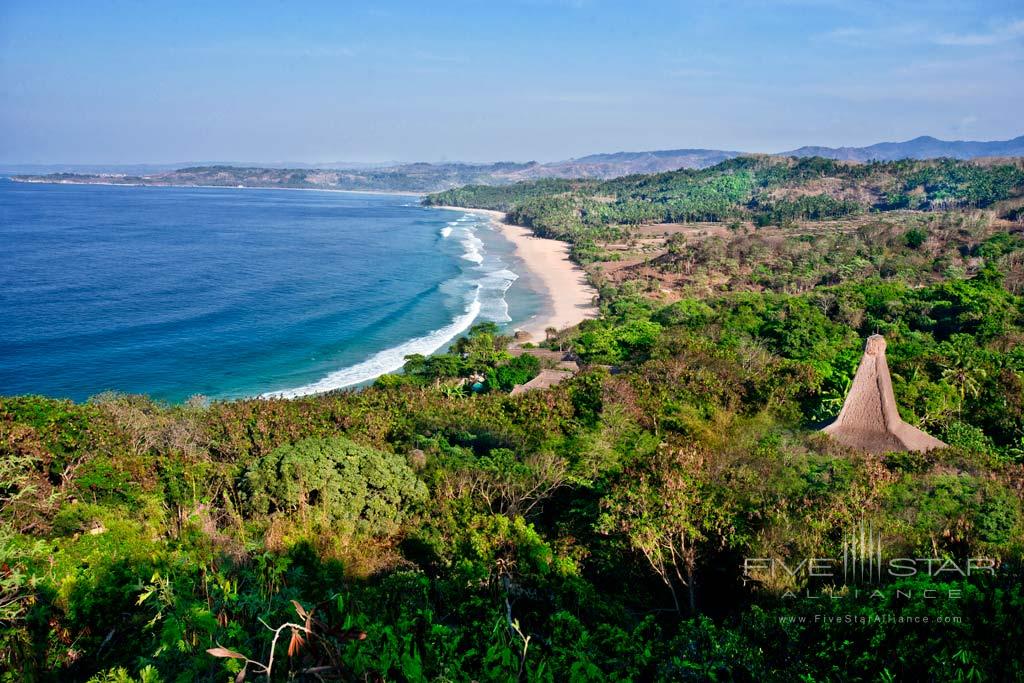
{"x":446,"y":231}
{"x":503,"y":277}
{"x":387,"y":360}
{"x":494,"y":305}
{"x":474,"y":246}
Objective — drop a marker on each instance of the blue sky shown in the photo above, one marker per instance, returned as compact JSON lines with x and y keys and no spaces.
{"x":119,"y":82}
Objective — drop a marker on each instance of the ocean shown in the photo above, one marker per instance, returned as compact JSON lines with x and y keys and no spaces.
{"x":225,"y":293}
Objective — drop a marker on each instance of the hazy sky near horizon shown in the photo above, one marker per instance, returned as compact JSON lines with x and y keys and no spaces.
{"x":120,"y":82}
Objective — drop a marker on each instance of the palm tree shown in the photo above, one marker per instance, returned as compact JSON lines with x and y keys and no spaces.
{"x":453,"y":390}
{"x":961,"y":369}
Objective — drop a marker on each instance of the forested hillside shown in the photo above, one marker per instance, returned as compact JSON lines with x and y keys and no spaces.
{"x":434,"y":527}
{"x":765,"y":190}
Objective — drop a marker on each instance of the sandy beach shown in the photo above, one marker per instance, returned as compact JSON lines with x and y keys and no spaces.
{"x":570,"y":296}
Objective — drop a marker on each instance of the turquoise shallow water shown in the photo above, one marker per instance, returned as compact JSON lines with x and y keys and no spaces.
{"x":174,"y":292}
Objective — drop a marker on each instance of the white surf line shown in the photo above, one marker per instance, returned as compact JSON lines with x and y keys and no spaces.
{"x":387,"y":360}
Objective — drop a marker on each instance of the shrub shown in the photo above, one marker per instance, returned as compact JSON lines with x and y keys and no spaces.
{"x":914,"y":237}
{"x":337,"y":479}
{"x":519,"y":370}
{"x":998,"y":515}
{"x":691,"y":313}
{"x":968,"y":438}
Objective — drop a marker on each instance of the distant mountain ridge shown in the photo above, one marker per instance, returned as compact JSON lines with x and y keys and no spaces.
{"x":617,"y":164}
{"x":923,"y":147}
{"x":153,"y":169}
{"x":434,"y":177}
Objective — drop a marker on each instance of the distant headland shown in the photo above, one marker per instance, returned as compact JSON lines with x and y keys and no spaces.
{"x":433,"y":177}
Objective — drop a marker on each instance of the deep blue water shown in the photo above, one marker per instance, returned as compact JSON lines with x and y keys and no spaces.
{"x":174,"y":292}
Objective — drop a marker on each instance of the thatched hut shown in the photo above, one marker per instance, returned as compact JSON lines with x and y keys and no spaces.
{"x":546,"y":378}
{"x":869,"y":420}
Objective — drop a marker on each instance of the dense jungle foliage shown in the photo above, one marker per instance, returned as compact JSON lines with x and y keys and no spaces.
{"x":433,"y":527}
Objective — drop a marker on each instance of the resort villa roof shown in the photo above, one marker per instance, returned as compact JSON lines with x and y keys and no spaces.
{"x":869,"y":420}
{"x":546,"y":378}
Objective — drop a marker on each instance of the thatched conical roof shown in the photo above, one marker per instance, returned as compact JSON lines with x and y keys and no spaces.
{"x":546,"y":378}
{"x":869,"y":420}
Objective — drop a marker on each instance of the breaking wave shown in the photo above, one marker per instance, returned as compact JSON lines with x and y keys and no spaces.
{"x":486,"y":280}
{"x":387,"y":360}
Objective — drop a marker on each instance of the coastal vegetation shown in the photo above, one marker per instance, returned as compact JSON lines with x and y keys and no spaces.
{"x":435,"y":527}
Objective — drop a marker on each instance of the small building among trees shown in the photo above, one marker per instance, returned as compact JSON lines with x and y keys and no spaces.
{"x":869,"y":420}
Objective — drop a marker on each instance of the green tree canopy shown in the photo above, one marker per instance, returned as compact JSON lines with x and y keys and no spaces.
{"x":372,"y":490}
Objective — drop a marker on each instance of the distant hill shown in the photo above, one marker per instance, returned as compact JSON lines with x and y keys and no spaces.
{"x":88,"y":169}
{"x":764,"y":190}
{"x":629,"y":163}
{"x":435,"y":177}
{"x":924,"y":147}
{"x":153,"y":169}
{"x":418,"y":177}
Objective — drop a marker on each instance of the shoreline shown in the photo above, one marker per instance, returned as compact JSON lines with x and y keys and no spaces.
{"x":568,"y":291}
{"x":562,"y":298}
{"x":400,"y":193}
